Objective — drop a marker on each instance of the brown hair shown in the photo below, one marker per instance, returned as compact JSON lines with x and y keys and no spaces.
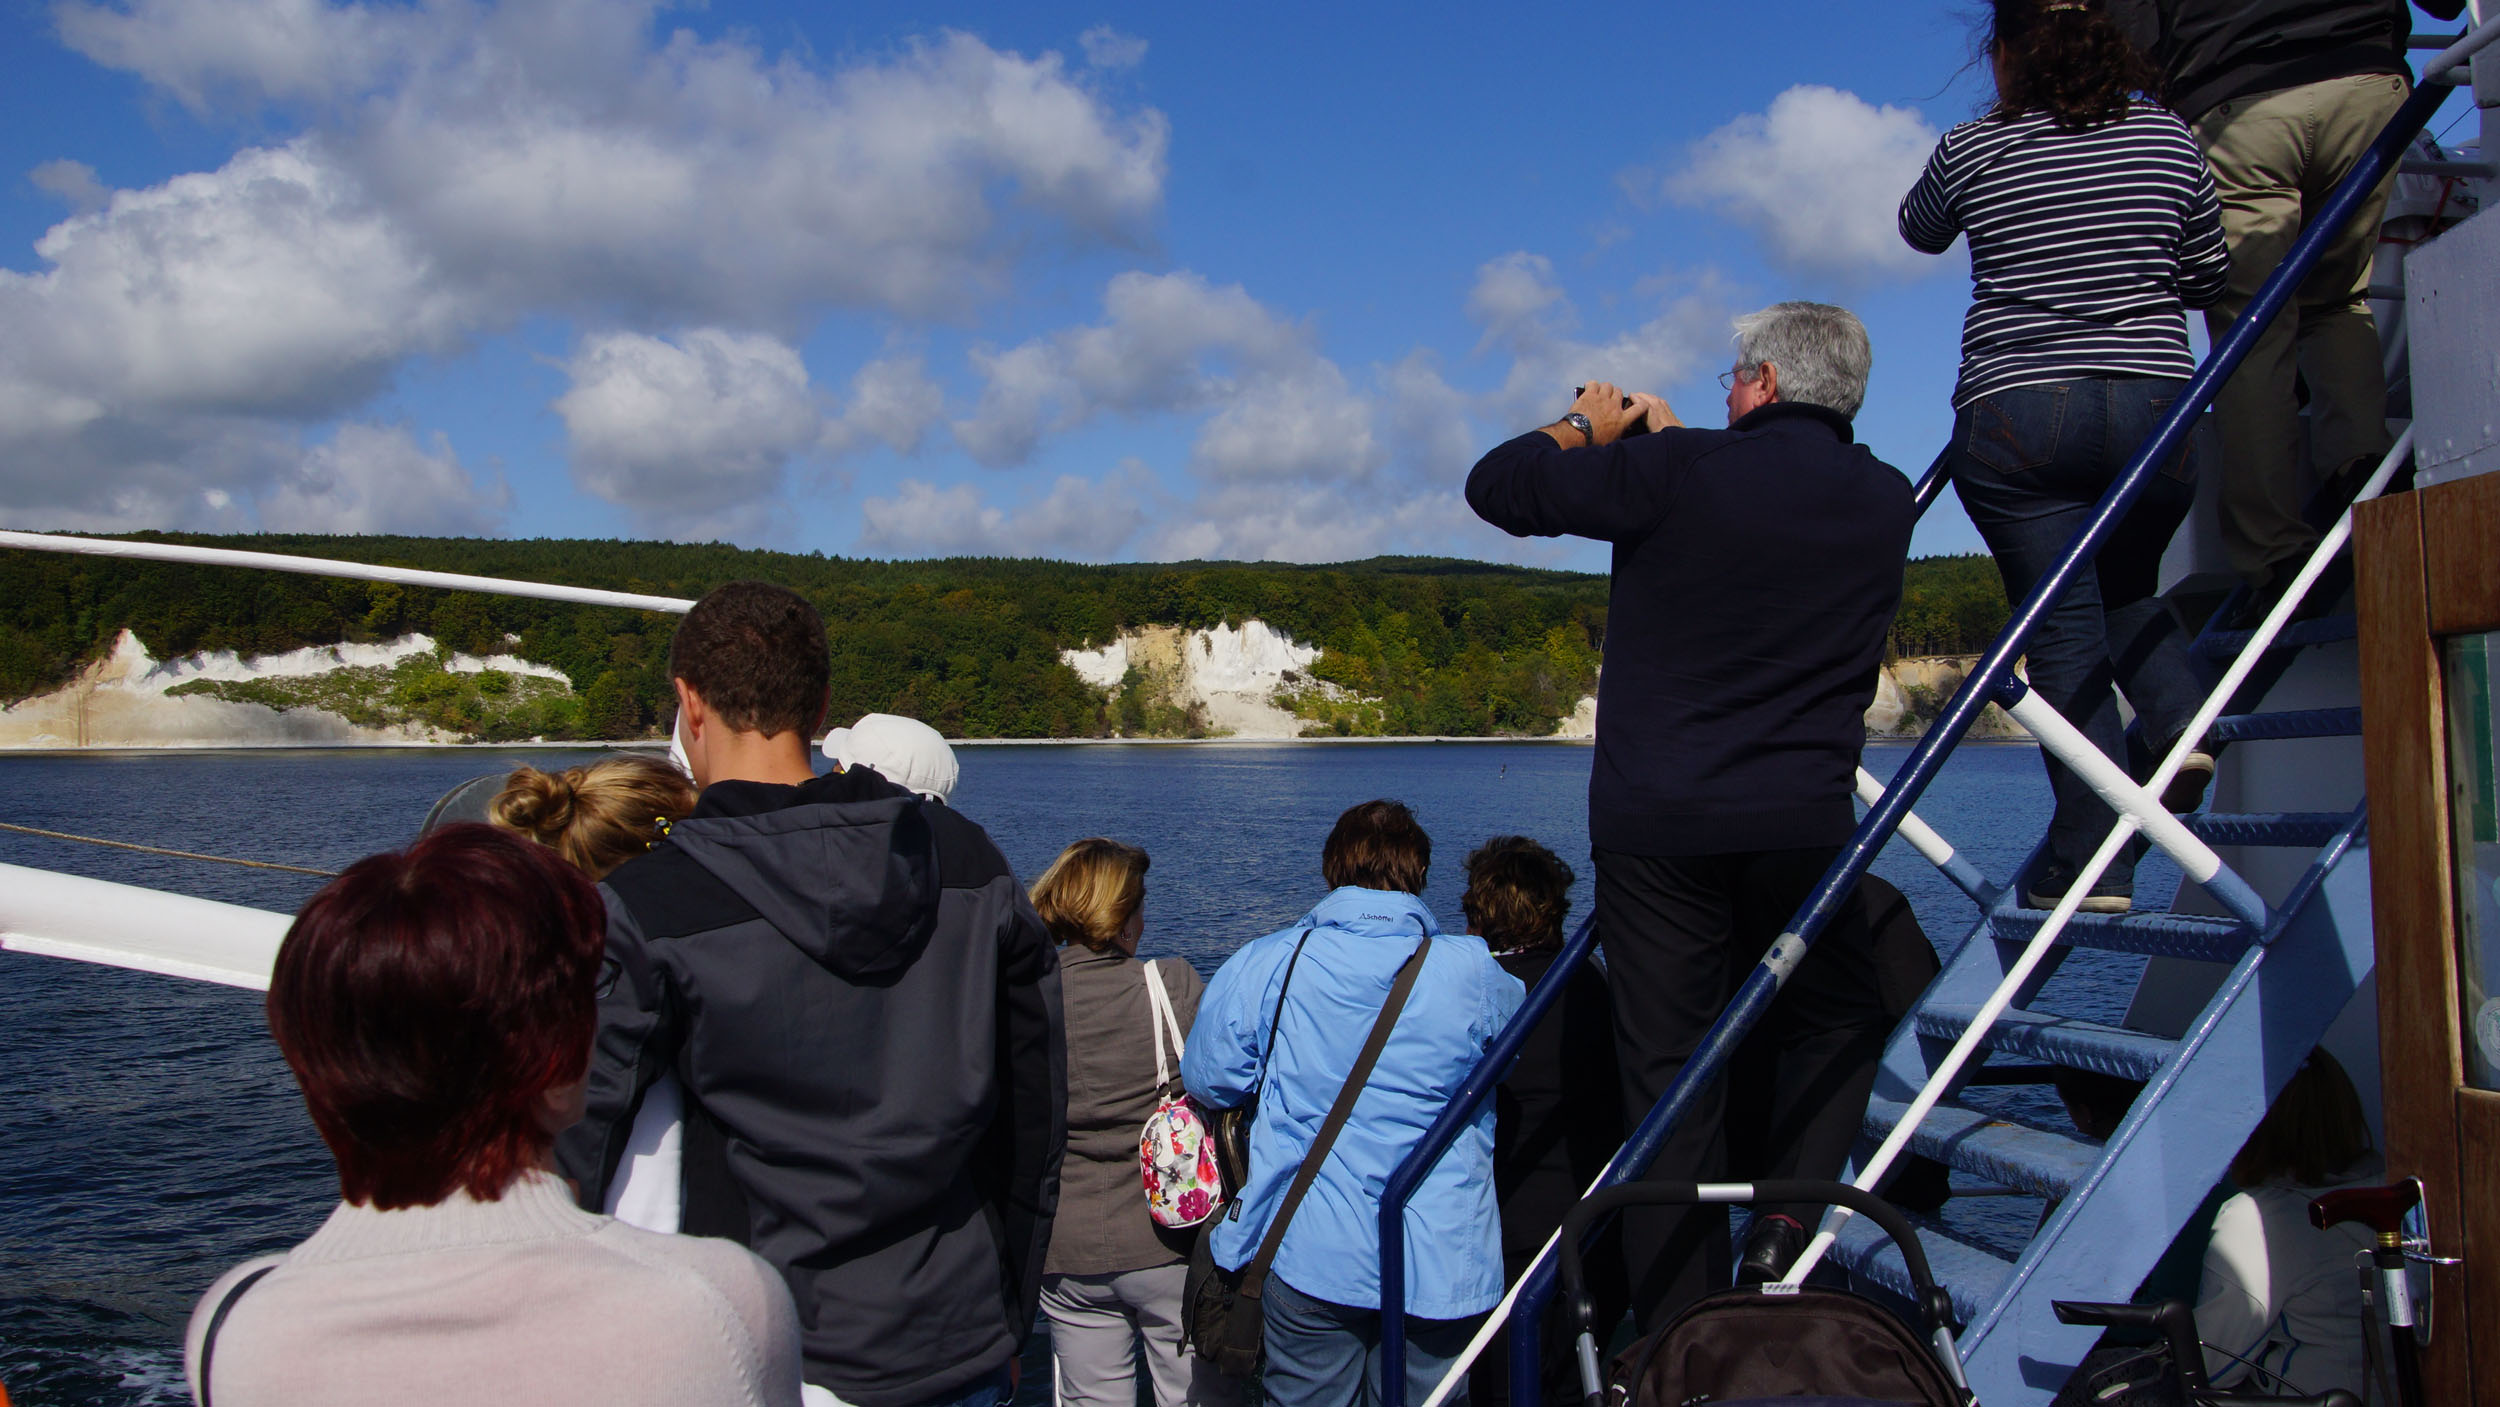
{"x":755,"y":653}
{"x":1091,"y":891}
{"x":2064,"y":58}
{"x":428,"y":1000}
{"x":1377,"y":845}
{"x":1517,"y":894}
{"x":596,"y":817}
{"x":2315,"y":1130}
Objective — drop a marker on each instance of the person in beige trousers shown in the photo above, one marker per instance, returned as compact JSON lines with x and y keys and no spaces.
{"x":2284,"y":96}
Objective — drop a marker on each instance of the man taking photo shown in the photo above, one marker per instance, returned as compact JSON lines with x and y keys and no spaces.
{"x":1756,"y":572}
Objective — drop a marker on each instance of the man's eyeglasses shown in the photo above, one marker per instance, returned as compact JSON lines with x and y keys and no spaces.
{"x":1729,"y":378}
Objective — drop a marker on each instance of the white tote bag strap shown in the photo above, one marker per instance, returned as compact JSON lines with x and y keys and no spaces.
{"x":1162,"y":1020}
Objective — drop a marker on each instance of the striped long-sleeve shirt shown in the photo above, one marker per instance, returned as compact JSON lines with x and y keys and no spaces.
{"x":2084,"y":245}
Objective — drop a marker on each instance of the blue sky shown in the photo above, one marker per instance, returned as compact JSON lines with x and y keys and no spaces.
{"x":1123,"y":282}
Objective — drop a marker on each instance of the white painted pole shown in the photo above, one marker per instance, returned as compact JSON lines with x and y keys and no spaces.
{"x":1921,"y":836}
{"x":1951,"y":1068}
{"x":146,"y":930}
{"x":323,"y":566}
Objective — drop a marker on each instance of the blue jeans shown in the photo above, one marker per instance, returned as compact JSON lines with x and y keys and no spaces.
{"x":2029,"y":465}
{"x":1320,"y":1354}
{"x":989,"y":1392}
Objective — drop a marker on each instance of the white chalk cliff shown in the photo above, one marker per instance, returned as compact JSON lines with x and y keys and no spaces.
{"x":121,"y":700}
{"x":1241,"y":679}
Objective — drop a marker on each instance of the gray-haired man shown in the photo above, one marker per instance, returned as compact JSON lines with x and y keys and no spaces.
{"x":1756,"y":571}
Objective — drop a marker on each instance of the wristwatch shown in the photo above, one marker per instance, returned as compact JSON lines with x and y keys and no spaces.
{"x":1580,"y":422}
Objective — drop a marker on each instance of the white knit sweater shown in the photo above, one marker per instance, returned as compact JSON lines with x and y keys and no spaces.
{"x":526,"y":1299}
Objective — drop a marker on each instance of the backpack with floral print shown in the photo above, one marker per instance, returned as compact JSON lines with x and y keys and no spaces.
{"x":1175,"y":1151}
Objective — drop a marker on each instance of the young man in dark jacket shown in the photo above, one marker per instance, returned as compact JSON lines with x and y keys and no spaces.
{"x":2285,"y":95}
{"x":863,"y":1011}
{"x":1756,"y":572}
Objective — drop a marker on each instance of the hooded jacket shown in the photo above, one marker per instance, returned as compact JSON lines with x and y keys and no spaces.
{"x":864,"y":1014}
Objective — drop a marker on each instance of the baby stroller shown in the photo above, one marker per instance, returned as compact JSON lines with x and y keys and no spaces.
{"x":1757,"y":1345}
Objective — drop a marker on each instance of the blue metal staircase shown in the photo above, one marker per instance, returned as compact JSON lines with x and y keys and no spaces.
{"x":2113,"y":1206}
{"x":2293,"y":962}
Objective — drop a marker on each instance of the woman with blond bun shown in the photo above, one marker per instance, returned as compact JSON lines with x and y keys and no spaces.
{"x":1113,"y":1276}
{"x":597,"y":817}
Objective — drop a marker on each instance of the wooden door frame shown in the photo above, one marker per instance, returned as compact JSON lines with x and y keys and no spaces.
{"x":2427,"y":565}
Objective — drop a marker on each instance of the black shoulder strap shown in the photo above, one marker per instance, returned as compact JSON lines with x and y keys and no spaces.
{"x":1267,"y":1052}
{"x":217,"y":1322}
{"x":1254,"y":1275}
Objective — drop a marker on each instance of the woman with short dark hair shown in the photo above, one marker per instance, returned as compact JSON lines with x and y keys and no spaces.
{"x":1283,"y":1022}
{"x":1558,"y":1115}
{"x":436,"y":1006}
{"x":2092,"y":224}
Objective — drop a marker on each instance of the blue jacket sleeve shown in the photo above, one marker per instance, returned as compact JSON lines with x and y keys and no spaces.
{"x":1220,"y":1063}
{"x":1533,"y":487}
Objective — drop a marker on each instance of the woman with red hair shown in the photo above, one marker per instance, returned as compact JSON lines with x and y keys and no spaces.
{"x":437,"y":1007}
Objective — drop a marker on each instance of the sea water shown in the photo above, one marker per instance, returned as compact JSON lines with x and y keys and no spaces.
{"x":151,"y":1137}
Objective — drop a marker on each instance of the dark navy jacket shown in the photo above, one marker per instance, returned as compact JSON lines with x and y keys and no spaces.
{"x":1756,"y":572}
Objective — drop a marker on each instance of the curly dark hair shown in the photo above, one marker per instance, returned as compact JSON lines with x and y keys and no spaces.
{"x":1518,"y":893}
{"x":2064,"y":58}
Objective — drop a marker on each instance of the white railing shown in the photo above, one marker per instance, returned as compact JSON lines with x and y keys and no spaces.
{"x":323,"y":566}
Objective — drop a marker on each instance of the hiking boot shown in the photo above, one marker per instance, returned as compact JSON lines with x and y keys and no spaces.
{"x":1770,"y":1248}
{"x":2187,"y":786}
{"x":2106,"y":897}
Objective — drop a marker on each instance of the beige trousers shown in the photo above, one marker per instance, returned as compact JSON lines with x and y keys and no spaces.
{"x":2276,"y":157}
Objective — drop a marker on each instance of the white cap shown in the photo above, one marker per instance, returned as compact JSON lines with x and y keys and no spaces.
{"x":905,"y":751}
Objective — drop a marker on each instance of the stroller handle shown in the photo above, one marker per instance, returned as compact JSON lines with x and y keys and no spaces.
{"x":1866,"y":1204}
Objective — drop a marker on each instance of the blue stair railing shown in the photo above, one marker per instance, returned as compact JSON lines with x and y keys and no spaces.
{"x":2229,"y":939}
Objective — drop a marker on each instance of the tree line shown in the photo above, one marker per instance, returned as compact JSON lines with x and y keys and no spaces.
{"x":972,"y":645}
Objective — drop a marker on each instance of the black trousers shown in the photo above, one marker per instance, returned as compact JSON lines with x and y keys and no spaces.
{"x":1681,"y":933}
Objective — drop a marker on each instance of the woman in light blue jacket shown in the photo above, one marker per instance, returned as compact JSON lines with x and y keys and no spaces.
{"x":1322,"y":1301}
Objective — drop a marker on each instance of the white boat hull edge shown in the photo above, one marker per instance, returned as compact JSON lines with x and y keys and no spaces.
{"x":146,"y":930}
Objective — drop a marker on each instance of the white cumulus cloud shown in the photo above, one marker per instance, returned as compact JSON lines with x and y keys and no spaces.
{"x":1167,"y":342}
{"x":1106,"y":47}
{"x":1526,"y":314}
{"x":1819,"y":176}
{"x":691,"y":434}
{"x":1087,"y":519}
{"x":460,"y":167}
{"x":372,"y":479}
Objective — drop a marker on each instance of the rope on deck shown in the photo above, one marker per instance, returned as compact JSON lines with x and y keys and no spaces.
{"x":161,"y":850}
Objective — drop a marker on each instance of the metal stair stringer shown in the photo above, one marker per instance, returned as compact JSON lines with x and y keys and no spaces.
{"x":2179,"y":1138}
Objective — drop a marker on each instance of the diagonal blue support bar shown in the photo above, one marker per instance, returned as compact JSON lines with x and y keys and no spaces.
{"x":2292,"y":723}
{"x":1454,"y":1117}
{"x":1754,"y":997}
{"x":2227,"y":644}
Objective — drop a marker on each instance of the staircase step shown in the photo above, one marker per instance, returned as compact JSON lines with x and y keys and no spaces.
{"x":2306,"y":830}
{"x":2295,"y":723}
{"x":2062,"y":1040}
{"x":2227,"y":644}
{"x":1971,"y":1274}
{"x":2165,"y":935}
{"x":2007,"y":1154}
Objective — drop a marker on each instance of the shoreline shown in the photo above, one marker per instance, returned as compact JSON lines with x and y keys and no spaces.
{"x":661,"y":745}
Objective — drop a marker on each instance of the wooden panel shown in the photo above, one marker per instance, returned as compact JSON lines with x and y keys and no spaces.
{"x":2478,"y":1139}
{"x":2461,"y":553}
{"x":2421,"y":1058}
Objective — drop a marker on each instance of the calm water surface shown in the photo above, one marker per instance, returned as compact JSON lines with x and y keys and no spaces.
{"x":150,"y":1136}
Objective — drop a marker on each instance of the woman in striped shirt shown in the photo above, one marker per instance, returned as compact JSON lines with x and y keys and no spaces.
{"x":2092,"y":223}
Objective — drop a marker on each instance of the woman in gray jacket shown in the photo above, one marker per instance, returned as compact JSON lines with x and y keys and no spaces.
{"x":1113,"y":1276}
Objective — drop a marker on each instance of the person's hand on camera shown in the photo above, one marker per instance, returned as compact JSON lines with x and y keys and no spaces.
{"x":1608,"y":417}
{"x":1655,"y":409}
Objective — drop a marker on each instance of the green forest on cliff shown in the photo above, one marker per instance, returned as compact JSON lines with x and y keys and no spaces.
{"x":969,"y":644}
